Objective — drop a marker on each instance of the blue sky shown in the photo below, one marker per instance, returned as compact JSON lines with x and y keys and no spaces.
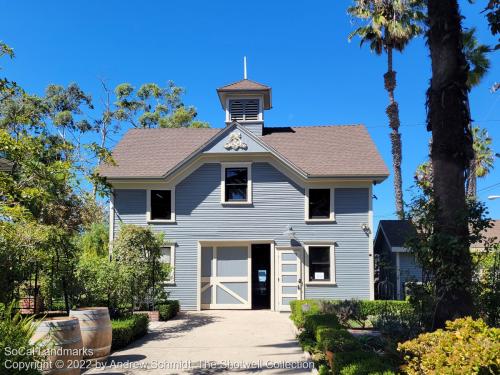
{"x":299,"y":48}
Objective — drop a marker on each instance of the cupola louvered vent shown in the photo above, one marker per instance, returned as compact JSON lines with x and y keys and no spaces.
{"x":244,"y":109}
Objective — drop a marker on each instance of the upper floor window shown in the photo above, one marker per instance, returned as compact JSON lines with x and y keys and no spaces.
{"x":319,"y":204}
{"x":244,"y":109}
{"x":236,"y":183}
{"x":160,"y":206}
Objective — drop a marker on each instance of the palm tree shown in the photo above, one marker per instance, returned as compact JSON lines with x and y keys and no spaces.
{"x":483,"y":160}
{"x":389,"y":25}
{"x":479,"y":64}
{"x":449,"y":120}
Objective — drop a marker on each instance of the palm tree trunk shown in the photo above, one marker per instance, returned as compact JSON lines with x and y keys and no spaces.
{"x":392,"y":111}
{"x":472,"y":179}
{"x":448,"y":119}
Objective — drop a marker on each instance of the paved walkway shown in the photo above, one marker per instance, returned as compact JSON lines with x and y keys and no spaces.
{"x":213,"y":342}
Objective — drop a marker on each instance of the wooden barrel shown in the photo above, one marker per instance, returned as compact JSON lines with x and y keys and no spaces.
{"x":64,"y":343}
{"x":95,"y":326}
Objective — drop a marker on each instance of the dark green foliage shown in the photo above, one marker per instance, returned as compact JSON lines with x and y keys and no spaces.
{"x":15,"y":333}
{"x":313,"y":322}
{"x":336,"y":340}
{"x":128,"y":329}
{"x":360,"y":363}
{"x":168,"y":309}
{"x":307,"y":342}
{"x":300,"y":308}
{"x":349,"y":312}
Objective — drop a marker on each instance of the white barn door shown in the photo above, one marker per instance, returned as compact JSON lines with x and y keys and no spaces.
{"x":289,"y":277}
{"x":225,"y":277}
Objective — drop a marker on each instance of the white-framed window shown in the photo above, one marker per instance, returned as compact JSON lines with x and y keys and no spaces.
{"x":319,"y":204}
{"x":236,"y":183}
{"x":167,"y":256}
{"x":160,"y":205}
{"x":320,"y":263}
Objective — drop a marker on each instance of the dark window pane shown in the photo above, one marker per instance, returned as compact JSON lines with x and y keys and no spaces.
{"x":236,"y":176}
{"x":319,"y":203}
{"x":319,"y":263}
{"x":236,"y":181}
{"x":160,"y":205}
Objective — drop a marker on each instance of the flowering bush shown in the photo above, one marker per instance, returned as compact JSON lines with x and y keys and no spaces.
{"x":466,"y":346}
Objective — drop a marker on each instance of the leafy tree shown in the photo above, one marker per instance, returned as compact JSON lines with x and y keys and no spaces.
{"x":136,"y":254}
{"x":476,"y":55}
{"x":153,"y":106}
{"x":390,"y":25}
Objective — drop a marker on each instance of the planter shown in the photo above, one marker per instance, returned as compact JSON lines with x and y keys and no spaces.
{"x":154,"y":316}
{"x":329,"y":356}
{"x":64,"y":340}
{"x":95,"y":326}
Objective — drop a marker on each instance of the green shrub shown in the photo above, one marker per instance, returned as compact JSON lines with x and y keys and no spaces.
{"x":375,"y":308}
{"x":128,"y":329}
{"x":15,"y":333}
{"x":298,"y":314}
{"x":360,"y":363}
{"x":168,"y":309}
{"x":336,"y":340}
{"x":315,"y":321}
{"x":466,"y":346}
{"x":349,"y":312}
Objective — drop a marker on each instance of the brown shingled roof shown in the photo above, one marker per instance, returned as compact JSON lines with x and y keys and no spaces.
{"x":244,"y":84}
{"x":343,"y":151}
{"x":153,"y":152}
{"x":336,"y":150}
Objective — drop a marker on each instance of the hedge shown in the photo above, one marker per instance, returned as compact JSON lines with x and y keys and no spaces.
{"x":168,"y":310}
{"x":360,"y":363}
{"x":126,"y":330}
{"x":369,"y":308}
{"x":298,"y":315}
{"x":336,"y":340}
{"x":314,"y":322}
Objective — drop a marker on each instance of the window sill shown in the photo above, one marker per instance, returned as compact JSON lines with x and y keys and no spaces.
{"x":236,"y":203}
{"x":319,"y":283}
{"x":161,"y":221}
{"x":332,"y":220}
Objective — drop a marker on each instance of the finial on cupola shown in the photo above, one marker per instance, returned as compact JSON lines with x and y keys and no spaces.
{"x":244,"y":67}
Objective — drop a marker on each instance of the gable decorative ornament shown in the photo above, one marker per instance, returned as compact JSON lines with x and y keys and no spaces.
{"x":235,"y":143}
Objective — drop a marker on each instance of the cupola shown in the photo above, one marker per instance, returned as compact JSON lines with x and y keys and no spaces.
{"x":245,"y":102}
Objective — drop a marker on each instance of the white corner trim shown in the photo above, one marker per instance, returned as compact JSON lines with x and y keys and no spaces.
{"x":371,"y":258}
{"x":172,"y":207}
{"x":333,"y":270}
{"x":224,"y":166}
{"x":111,"y":221}
{"x":331,"y":219}
{"x":398,"y":277}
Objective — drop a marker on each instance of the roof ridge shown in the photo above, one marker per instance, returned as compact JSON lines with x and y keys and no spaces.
{"x":314,"y":126}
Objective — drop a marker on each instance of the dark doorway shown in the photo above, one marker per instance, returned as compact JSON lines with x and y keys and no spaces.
{"x":261,"y":276}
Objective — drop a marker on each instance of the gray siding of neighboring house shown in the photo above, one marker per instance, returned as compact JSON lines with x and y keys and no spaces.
{"x":277,"y":202}
{"x":409,"y":269}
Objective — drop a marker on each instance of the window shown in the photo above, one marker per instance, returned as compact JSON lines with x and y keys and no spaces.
{"x":236,"y":184}
{"x":160,"y":206}
{"x":244,"y":109}
{"x":167,"y":257}
{"x":320,"y":265}
{"x":319,"y":204}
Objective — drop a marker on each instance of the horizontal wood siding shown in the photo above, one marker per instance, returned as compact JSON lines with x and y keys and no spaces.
{"x":277,"y":202}
{"x":409,"y":269}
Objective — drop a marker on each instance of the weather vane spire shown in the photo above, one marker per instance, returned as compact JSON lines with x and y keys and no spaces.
{"x":244,"y":67}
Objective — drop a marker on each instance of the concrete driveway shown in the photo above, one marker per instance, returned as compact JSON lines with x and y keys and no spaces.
{"x":213,"y":342}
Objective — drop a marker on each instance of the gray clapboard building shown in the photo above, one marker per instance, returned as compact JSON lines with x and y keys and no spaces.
{"x":255,"y":216}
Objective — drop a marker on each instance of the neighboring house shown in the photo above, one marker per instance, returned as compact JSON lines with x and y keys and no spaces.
{"x":255,"y":216}
{"x":6,"y":165}
{"x":395,"y":265}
